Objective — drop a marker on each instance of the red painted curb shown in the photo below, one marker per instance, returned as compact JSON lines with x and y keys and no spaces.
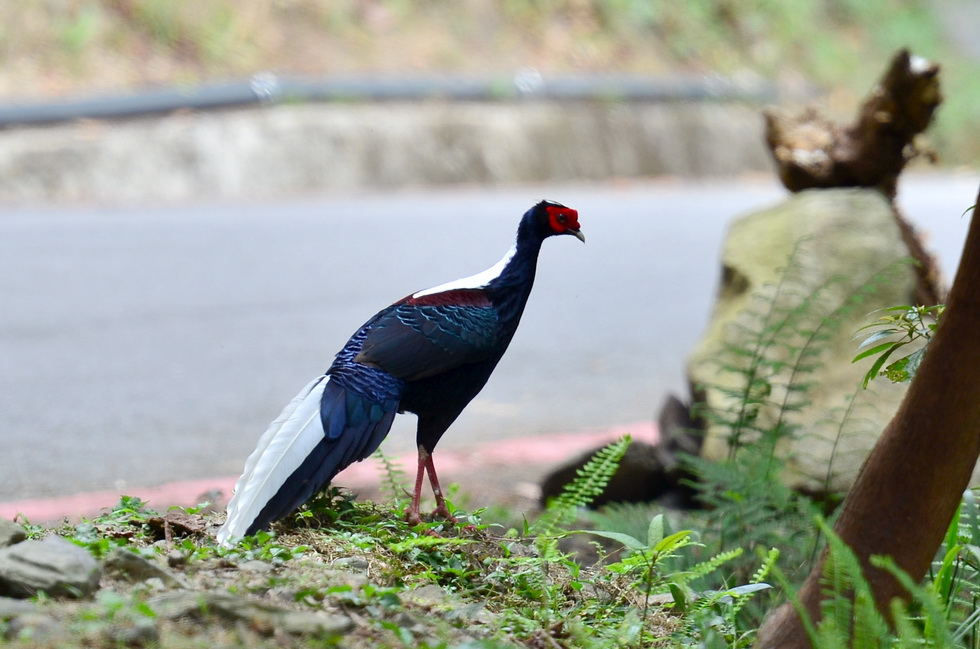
{"x":539,"y":450}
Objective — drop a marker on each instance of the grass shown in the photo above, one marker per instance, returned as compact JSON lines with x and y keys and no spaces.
{"x":434,"y":585}
{"x":468,"y":584}
{"x":473,"y":584}
{"x":842,"y":46}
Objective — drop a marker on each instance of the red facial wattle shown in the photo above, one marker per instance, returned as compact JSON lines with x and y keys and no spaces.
{"x":562,"y":219}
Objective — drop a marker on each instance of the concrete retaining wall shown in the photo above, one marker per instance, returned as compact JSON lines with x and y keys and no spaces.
{"x":285,"y":149}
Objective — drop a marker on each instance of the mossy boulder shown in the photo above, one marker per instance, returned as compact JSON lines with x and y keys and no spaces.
{"x":808,"y":272}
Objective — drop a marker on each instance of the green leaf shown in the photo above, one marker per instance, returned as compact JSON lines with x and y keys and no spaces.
{"x":747,"y":589}
{"x":896,"y":372}
{"x":679,"y":596}
{"x":673,"y":542}
{"x":914,"y":360}
{"x":877,"y":350}
{"x":873,"y":372}
{"x":655,"y":533}
{"x":876,"y":336}
{"x":627,"y":540}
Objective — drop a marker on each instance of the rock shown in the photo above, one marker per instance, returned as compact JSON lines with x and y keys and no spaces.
{"x":256,"y":566}
{"x":263,"y":617}
{"x":10,"y":533}
{"x":176,"y":558}
{"x":640,"y":477}
{"x":129,"y":566}
{"x":142,"y":633}
{"x":428,"y":595}
{"x":52,"y":565}
{"x":10,"y":607}
{"x":846,"y":236}
{"x":314,"y":623}
{"x":647,"y":472}
{"x":35,"y":626}
{"x":354,"y":564}
{"x":406,"y":621}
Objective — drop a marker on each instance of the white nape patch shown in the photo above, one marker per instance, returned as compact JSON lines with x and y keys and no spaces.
{"x":473,"y":281}
{"x":918,"y":65}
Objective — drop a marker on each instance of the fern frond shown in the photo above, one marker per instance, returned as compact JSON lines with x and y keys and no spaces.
{"x":393,"y":478}
{"x":711,"y":564}
{"x":589,"y":484}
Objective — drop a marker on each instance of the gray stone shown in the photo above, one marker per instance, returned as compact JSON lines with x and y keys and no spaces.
{"x":141,"y":633}
{"x":129,"y":566}
{"x":36,"y":627}
{"x":847,"y":234}
{"x":429,"y":595}
{"x":10,"y":533}
{"x":314,"y":623}
{"x":256,"y":566}
{"x":176,"y":558}
{"x":355,"y":564}
{"x":330,"y":577}
{"x":52,"y":565}
{"x":262,"y":616}
{"x":10,"y":607}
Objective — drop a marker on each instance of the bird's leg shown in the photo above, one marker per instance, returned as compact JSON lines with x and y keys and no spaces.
{"x":441,"y":508}
{"x":412,"y":513}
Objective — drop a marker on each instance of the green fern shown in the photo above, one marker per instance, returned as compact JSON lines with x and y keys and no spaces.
{"x":590,"y":482}
{"x":849,"y":616}
{"x":782,"y":339}
{"x":393,"y":478}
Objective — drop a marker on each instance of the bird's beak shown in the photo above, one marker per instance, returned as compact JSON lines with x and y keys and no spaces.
{"x":577,"y":234}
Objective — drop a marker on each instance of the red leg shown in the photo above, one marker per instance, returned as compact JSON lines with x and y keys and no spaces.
{"x":426,"y":465}
{"x":441,"y":508}
{"x":412,"y":513}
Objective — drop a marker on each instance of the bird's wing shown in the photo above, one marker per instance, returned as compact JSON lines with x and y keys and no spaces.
{"x":414,"y":341}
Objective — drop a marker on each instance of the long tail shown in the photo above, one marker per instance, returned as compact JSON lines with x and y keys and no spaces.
{"x":323,"y":430}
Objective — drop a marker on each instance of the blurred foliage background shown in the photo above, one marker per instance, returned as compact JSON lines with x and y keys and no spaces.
{"x":56,"y":47}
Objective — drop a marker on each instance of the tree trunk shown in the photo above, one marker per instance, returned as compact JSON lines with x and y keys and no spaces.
{"x":910,"y":485}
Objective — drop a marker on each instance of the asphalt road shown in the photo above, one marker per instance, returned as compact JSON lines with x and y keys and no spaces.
{"x":144,"y":345}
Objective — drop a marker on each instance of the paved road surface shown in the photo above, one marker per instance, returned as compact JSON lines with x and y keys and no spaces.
{"x":147,"y":345}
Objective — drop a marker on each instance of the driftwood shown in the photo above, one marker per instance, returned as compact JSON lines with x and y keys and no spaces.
{"x":811,"y":152}
{"x":909,"y":487}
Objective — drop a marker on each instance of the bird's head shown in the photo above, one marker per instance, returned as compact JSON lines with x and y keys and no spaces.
{"x":554,"y":218}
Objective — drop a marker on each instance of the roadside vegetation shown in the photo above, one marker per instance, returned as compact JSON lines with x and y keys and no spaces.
{"x":354,"y":574}
{"x":350,"y":574}
{"x":835,"y":46}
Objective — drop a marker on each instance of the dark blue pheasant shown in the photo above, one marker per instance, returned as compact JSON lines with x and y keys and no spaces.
{"x":429,"y":353}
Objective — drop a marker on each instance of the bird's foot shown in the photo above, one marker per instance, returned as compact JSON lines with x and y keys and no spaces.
{"x":442,"y":511}
{"x":412,"y":516}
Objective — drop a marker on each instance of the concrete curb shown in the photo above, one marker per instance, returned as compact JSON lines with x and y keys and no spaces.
{"x":286,"y":149}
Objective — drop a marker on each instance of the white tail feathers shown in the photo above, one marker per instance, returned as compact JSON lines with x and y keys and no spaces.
{"x":281,"y":450}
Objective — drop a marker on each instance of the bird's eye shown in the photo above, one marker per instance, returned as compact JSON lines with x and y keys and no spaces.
{"x":561,"y":218}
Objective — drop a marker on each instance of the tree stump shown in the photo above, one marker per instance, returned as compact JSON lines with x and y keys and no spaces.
{"x":811,"y":152}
